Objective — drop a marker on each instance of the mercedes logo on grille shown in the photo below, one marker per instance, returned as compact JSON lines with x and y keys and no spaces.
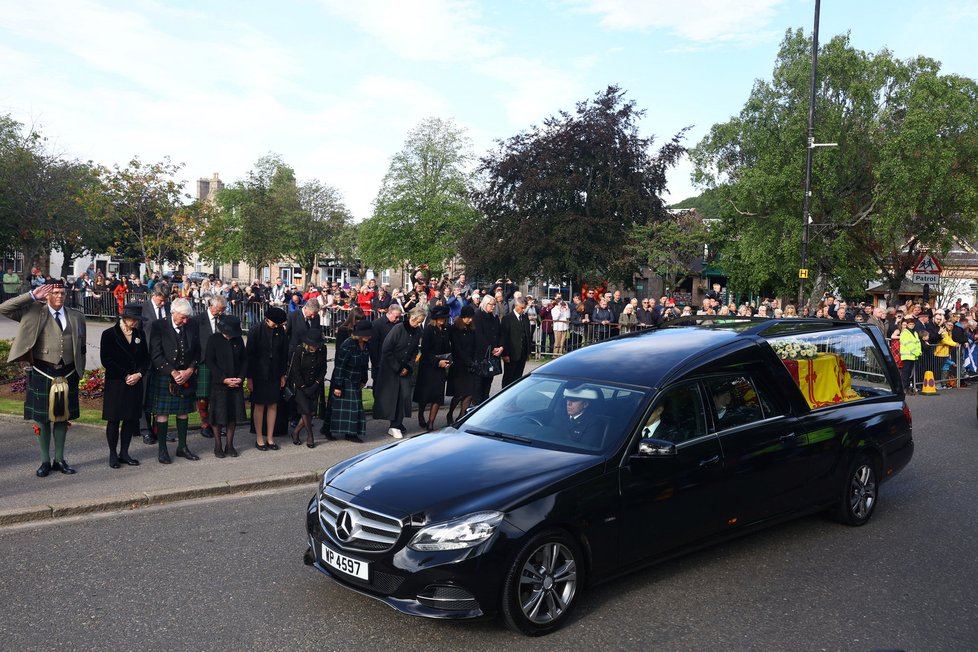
{"x":347,"y":524}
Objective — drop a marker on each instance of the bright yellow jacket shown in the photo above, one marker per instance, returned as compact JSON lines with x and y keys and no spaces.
{"x":909,"y":344}
{"x":943,"y":349}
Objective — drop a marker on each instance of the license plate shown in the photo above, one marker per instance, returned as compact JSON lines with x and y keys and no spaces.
{"x":346,"y":565}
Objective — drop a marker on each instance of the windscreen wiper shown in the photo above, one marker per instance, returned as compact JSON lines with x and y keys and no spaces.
{"x":499,"y":435}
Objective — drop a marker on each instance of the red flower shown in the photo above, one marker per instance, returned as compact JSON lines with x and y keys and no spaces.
{"x":37,"y":430}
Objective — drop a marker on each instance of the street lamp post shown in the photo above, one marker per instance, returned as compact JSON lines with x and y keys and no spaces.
{"x":810,"y":141}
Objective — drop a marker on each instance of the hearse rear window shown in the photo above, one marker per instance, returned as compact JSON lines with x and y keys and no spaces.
{"x":833,"y":367}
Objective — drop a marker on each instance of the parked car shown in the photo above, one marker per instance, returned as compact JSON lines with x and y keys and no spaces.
{"x":613,"y":457}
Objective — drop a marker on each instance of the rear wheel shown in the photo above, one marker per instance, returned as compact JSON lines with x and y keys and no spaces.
{"x":860,"y":493}
{"x":542,"y":585}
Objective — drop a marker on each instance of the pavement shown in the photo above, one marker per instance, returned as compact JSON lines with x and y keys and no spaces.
{"x":98,"y":488}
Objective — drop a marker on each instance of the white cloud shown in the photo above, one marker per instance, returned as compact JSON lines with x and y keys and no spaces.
{"x":701,"y":21}
{"x":425,"y":30}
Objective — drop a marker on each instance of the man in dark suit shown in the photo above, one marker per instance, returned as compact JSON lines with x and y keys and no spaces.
{"x":301,"y":322}
{"x":207,"y":323}
{"x":381,"y":327}
{"x":583,"y":425}
{"x":156,"y":307}
{"x":516,"y":341}
{"x":175,"y":354}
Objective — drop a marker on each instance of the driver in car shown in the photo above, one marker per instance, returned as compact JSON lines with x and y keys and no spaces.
{"x":582,"y":424}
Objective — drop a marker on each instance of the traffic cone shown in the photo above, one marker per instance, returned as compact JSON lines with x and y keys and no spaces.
{"x":930,"y":387}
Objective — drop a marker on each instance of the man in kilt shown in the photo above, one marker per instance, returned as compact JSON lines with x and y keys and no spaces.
{"x":174,"y":351}
{"x":347,"y":417}
{"x":52,"y":338}
{"x":208,"y":323}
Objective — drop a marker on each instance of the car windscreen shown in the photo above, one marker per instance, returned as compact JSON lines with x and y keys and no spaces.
{"x":560,"y":413}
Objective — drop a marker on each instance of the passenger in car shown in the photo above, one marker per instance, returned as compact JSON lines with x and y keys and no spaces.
{"x":582,"y":424}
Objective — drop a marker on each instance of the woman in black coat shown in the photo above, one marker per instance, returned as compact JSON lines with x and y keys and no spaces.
{"x":436,"y":358}
{"x":461,"y":381}
{"x":228,"y":364}
{"x":488,"y":342}
{"x":267,"y":351}
{"x":307,"y":371}
{"x":125,"y":355}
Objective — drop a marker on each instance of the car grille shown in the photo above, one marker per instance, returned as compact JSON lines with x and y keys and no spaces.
{"x":358,"y":528}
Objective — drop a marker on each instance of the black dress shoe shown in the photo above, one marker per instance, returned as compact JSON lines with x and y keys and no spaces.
{"x":310,"y":443}
{"x":149,"y":440}
{"x":131,"y":461}
{"x":354,"y":438}
{"x":165,"y":458}
{"x":422,"y":422}
{"x":207,"y":433}
{"x":261,"y":447}
{"x":272,"y":446}
{"x":114,"y":462}
{"x":187,"y":454}
{"x":63,"y":467}
{"x":230,"y":451}
{"x":44,"y":470}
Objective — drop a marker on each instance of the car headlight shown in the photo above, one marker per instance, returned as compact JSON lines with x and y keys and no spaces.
{"x":462,"y":532}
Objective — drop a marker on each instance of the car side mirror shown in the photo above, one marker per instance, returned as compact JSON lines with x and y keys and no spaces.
{"x":656,"y":448}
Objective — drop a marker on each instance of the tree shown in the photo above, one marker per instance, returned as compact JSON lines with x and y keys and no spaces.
{"x":901,"y":181}
{"x":671,"y":247}
{"x":146,"y":209}
{"x":317,"y":224}
{"x":423,"y":204}
{"x":79,"y":230}
{"x":562,"y":199}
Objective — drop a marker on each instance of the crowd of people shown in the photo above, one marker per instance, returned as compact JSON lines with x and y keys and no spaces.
{"x":183,"y":349}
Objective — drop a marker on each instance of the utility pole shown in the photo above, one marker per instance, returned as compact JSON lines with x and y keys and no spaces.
{"x":810,"y":140}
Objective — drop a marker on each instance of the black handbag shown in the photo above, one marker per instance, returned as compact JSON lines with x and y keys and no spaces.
{"x":288,"y":393}
{"x":484,"y":368}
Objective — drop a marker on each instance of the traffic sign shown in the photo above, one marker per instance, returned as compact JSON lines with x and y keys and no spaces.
{"x":926,"y":279}
{"x":802,"y":273}
{"x":927,"y":265}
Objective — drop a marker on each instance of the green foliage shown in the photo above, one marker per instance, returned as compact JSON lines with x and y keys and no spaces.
{"x":144,"y":207}
{"x":8,"y":370}
{"x":901,"y":181}
{"x":671,"y":247}
{"x":316,"y":227}
{"x":423,"y":205}
{"x":563,"y":198}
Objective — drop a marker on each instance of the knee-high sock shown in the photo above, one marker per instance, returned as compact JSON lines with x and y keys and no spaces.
{"x":44,"y":440}
{"x":161,"y":428}
{"x":112,"y":436}
{"x":60,"y":433}
{"x":181,"y":432}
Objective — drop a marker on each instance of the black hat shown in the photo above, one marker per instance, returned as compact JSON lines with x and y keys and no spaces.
{"x":438,"y":312}
{"x":313,"y":337}
{"x":468,"y":310}
{"x":363,"y":328}
{"x":230,"y":326}
{"x":276,"y":315}
{"x":133,"y":311}
{"x":56,"y":283}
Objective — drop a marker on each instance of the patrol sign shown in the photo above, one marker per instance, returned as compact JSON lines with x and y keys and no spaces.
{"x":927,"y":271}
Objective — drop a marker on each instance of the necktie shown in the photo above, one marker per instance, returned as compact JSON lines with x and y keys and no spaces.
{"x":162,"y":315}
{"x":57,"y":318}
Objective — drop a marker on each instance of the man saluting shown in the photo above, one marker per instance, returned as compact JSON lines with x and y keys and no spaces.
{"x":52,"y":338}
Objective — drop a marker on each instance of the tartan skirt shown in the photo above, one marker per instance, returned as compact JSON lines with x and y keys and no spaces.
{"x":203,"y":381}
{"x":37,"y":402}
{"x":347,"y":416}
{"x":159,"y":400}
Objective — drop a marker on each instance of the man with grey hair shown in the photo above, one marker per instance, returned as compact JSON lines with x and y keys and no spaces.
{"x":207,"y":323}
{"x":174,"y":353}
{"x":301,"y":322}
{"x":516,"y":338}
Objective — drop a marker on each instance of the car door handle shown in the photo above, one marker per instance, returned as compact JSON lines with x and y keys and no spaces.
{"x":790,"y":435}
{"x":710,"y":460}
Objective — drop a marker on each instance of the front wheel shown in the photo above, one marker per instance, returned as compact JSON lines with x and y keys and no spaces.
{"x":859,"y":494}
{"x":542,"y":585}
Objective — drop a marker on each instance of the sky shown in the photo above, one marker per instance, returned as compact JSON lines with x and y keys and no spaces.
{"x":334,"y":86}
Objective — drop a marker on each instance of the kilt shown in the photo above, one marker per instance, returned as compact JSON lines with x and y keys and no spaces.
{"x":347,"y":416}
{"x":203,"y":381}
{"x":37,"y":401}
{"x":160,"y":401}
